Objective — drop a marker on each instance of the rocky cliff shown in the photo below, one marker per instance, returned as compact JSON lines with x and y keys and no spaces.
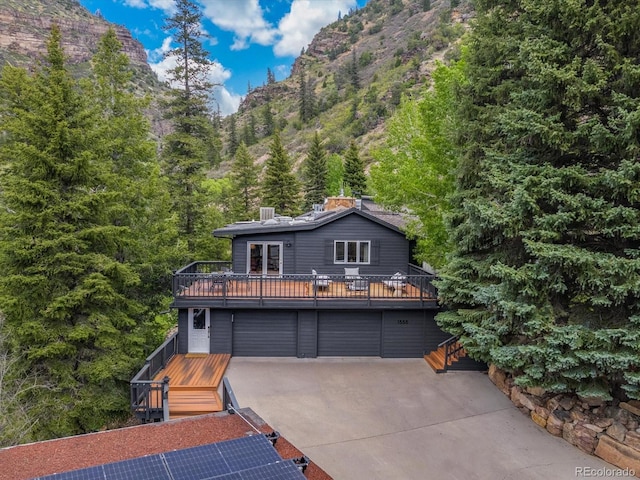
{"x":25,"y":27}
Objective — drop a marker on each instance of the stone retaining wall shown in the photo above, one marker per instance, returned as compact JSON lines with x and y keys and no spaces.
{"x":609,"y":430}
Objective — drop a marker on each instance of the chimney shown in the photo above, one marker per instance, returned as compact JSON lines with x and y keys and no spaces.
{"x":334,"y":203}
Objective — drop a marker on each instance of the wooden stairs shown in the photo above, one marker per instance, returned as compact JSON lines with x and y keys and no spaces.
{"x":446,"y":355}
{"x":193,"y":384}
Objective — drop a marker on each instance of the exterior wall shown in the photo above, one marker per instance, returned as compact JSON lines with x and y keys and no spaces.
{"x":221,"y":331}
{"x":313,"y":249}
{"x":398,"y":333}
{"x":183,"y":329}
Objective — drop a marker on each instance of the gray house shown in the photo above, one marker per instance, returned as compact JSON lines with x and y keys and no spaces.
{"x":338,"y":281}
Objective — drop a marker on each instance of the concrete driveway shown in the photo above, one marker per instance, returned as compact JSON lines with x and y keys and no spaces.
{"x":371,"y":418}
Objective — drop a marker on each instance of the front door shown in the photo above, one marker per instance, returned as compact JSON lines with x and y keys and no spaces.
{"x":199,"y":330}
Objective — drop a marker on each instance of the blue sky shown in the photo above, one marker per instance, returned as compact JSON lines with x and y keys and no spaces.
{"x":245,"y":36}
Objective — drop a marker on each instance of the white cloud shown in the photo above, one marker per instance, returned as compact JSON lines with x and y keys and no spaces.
{"x":218,"y":74}
{"x":168,"y":6}
{"x":306,"y":17}
{"x":245,"y":18}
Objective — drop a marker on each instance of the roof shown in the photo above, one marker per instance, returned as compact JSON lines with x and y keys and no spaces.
{"x":312,"y":220}
{"x":82,"y":451}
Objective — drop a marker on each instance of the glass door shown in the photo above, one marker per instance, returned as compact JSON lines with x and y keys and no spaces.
{"x":264,"y":258}
{"x":199,"y":330}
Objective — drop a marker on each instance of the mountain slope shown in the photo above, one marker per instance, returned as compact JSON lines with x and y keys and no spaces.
{"x":392,"y":46}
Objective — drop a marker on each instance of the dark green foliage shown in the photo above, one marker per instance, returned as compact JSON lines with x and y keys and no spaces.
{"x":545,"y":281}
{"x":268,"y":120}
{"x":66,"y":288}
{"x":354,"y":176}
{"x":306,"y":107}
{"x":186,"y":149}
{"x":426,"y":5}
{"x":353,"y":72}
{"x":244,"y":185}
{"x":271,"y":78}
{"x":280,"y":187}
{"x":233,"y":136}
{"x":315,"y":173}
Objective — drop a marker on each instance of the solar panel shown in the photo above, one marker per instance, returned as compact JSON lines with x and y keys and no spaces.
{"x":285,"y":470}
{"x":248,"y":452}
{"x":143,"y":468}
{"x":196,"y":463}
{"x":91,"y":473}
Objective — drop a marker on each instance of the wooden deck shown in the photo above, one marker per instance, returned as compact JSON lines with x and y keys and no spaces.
{"x":193,"y":383}
{"x":296,"y":289}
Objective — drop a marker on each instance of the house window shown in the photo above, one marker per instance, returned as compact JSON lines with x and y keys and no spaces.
{"x":351,"y":251}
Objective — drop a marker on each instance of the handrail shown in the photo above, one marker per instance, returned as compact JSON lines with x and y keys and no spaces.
{"x":226,"y":286}
{"x":148,"y":396}
{"x":452,"y":349}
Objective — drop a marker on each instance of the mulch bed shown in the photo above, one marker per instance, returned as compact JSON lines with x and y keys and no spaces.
{"x":72,"y":453}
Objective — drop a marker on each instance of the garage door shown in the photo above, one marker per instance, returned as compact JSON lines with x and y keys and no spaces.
{"x":403,"y":334}
{"x":265,"y":334}
{"x":342,"y":334}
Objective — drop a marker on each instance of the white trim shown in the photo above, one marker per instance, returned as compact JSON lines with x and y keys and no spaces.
{"x":346,"y":261}
{"x":265,"y":266}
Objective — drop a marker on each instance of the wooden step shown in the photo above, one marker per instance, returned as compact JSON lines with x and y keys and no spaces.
{"x":435,"y":359}
{"x":184,"y":403}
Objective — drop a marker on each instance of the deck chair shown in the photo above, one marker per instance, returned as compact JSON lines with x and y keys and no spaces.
{"x":353,"y":280}
{"x":398,"y":281}
{"x":320,"y":281}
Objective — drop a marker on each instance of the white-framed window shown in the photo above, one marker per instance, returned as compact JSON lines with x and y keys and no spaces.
{"x":352,"y":251}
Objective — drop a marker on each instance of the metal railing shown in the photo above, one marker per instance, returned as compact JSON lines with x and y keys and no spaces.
{"x":149,"y":396}
{"x":453,"y":350}
{"x":191,"y":281}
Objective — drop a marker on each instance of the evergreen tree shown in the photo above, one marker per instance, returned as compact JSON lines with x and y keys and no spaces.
{"x":65,"y":289}
{"x":315,"y":173}
{"x":354,"y":176}
{"x":125,"y":138}
{"x":546,"y":218}
{"x":186,"y":150}
{"x":353,"y":71}
{"x":305,"y":99}
{"x":426,"y":5}
{"x":244,"y":185}
{"x":268,"y":120}
{"x":280,"y":187}
{"x":233,"y":136}
{"x":271,"y":78}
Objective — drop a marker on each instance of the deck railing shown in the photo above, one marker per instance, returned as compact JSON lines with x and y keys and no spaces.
{"x":453,"y":350}
{"x":149,"y":396}
{"x":192,"y":281}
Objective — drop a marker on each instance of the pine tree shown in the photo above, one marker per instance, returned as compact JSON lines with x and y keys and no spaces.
{"x":315,"y":173}
{"x":305,"y":99}
{"x":268,"y":120}
{"x":271,"y":78}
{"x":280,"y":187}
{"x":233,"y":141}
{"x":354,"y":176}
{"x":244,"y":185}
{"x":187,"y":150}
{"x":546,"y":217}
{"x":65,"y":290}
{"x":125,"y":138}
{"x":353,"y":71}
{"x":426,"y":5}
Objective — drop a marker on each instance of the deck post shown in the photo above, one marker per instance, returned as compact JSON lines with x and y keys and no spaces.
{"x":165,"y":399}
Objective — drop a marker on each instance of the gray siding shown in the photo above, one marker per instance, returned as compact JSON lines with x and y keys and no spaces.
{"x":265,"y":334}
{"x":349,"y":334}
{"x":183,"y":329}
{"x":307,"y":334}
{"x":308,"y":248}
{"x":221,"y":331}
{"x":403,"y":334}
{"x":239,"y":250}
{"x":432,"y":333}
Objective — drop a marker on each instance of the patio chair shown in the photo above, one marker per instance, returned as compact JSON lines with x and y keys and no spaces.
{"x":398,"y":281}
{"x":353,"y":280}
{"x":320,"y":281}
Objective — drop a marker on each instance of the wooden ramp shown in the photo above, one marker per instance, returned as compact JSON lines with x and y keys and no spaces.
{"x":193,"y":383}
